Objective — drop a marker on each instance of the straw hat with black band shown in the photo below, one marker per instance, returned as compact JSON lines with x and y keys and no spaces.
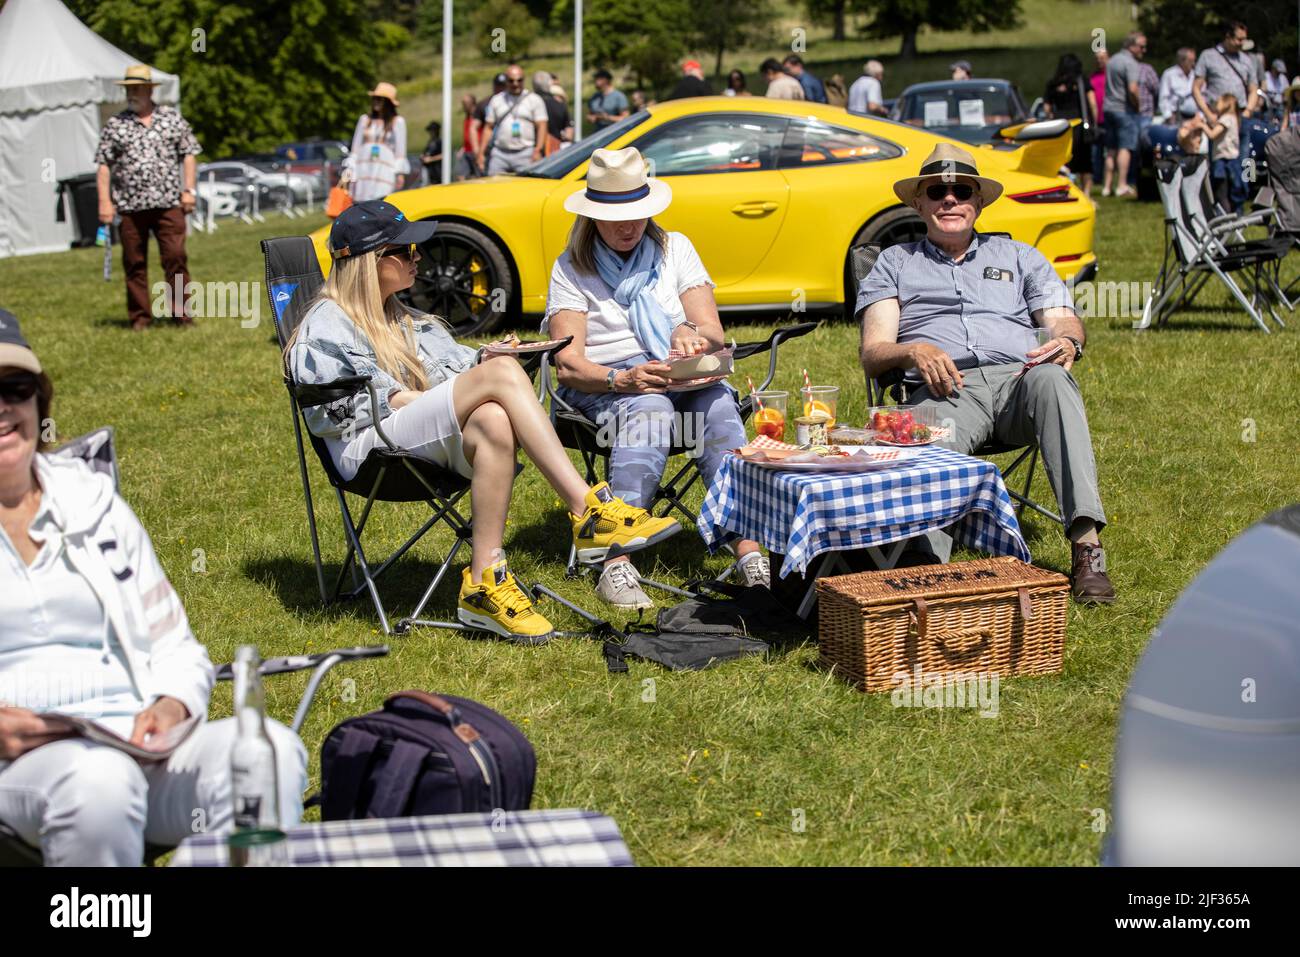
{"x":620,"y":188}
{"x":944,"y":164}
{"x":137,"y":74}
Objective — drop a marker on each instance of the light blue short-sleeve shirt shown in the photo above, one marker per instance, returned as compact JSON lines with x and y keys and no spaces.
{"x":980,"y":308}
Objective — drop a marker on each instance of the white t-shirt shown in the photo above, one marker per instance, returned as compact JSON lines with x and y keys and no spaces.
{"x":609,"y":330}
{"x":864,"y":92}
{"x":519,"y":132}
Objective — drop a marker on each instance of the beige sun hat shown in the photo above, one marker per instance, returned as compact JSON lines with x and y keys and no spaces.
{"x":387,"y":91}
{"x":619,"y":188}
{"x":944,"y":164}
{"x":137,"y":74}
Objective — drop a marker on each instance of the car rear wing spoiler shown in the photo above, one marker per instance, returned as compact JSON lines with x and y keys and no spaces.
{"x":1046,"y":145}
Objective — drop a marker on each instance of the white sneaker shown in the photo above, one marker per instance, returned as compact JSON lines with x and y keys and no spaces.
{"x":620,"y":586}
{"x":756,"y":571}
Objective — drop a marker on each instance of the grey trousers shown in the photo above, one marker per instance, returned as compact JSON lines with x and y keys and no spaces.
{"x":1044,"y":406}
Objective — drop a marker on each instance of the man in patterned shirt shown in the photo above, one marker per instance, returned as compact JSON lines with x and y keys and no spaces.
{"x":141,"y":154}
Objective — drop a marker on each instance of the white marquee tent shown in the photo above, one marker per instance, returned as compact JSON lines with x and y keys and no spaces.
{"x":56,"y":89}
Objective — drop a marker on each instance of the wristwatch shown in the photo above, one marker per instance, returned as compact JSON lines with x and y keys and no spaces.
{"x":1078,"y":347}
{"x":609,"y":380}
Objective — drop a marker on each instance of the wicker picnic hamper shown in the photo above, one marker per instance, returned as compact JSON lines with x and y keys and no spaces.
{"x":992,"y":616}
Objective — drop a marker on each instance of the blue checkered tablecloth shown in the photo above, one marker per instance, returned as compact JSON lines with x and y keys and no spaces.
{"x":802,"y":514}
{"x":546,"y":838}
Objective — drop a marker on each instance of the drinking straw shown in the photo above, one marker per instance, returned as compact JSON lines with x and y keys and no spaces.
{"x":807,"y":382}
{"x":752,"y":394}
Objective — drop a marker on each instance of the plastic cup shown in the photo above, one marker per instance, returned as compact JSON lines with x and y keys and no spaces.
{"x":260,"y":847}
{"x":769,"y":420}
{"x":817,"y":415}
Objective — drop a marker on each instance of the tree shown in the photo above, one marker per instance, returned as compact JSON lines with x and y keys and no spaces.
{"x":834,"y":12}
{"x":722,"y":25}
{"x":904,"y":18}
{"x":644,"y":36}
{"x":1170,"y":24}
{"x":504,"y":28}
{"x":255,"y":74}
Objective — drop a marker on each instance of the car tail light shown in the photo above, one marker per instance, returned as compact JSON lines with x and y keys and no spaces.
{"x":1053,"y":194}
{"x":1068,"y":259}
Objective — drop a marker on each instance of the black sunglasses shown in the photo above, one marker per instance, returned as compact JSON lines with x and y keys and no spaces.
{"x":16,"y":389}
{"x":407,"y":251}
{"x":960,"y":191}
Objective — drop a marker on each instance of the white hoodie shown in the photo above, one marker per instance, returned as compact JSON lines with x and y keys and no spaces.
{"x":109,"y":547}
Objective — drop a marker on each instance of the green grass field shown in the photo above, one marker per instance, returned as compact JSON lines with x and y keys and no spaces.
{"x":1194,"y":432}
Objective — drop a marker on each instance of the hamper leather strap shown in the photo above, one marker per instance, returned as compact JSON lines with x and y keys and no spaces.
{"x":957,"y":642}
{"x":1026,"y":604}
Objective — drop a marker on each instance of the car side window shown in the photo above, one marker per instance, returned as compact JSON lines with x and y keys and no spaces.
{"x":714,"y":143}
{"x":814,"y":143}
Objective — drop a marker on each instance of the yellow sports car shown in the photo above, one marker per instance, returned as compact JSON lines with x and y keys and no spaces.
{"x":772,"y":193}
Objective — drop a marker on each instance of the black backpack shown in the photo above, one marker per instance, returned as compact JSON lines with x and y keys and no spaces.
{"x":425,"y":754}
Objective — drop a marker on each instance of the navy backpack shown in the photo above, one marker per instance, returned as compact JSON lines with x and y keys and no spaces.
{"x":425,"y":754}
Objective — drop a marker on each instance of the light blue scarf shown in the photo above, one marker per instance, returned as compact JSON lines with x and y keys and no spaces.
{"x":631,"y":279}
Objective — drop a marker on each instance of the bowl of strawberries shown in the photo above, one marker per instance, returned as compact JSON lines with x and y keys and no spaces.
{"x":904,"y":425}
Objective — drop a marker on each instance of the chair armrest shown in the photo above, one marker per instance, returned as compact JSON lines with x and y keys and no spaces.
{"x":310,"y":395}
{"x":281,"y":666}
{"x":747,"y":349}
{"x":1229,"y":222}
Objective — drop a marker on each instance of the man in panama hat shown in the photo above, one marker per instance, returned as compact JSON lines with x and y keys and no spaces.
{"x":144,"y":152}
{"x":958,"y":313}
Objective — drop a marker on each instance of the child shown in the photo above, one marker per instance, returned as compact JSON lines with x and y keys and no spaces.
{"x":1192,"y":134}
{"x":1225,"y":133}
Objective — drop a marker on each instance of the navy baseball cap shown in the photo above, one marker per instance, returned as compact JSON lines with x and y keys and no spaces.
{"x":374,"y":224}
{"x":14,"y":350}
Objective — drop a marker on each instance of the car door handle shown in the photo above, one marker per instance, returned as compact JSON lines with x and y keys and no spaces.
{"x":754,"y":208}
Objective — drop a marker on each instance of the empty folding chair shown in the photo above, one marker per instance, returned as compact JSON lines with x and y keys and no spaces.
{"x":891,"y":388}
{"x":581,"y":434}
{"x":1198,"y":248}
{"x":389,"y":474}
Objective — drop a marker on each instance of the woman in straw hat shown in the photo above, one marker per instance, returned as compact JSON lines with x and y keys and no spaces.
{"x":439,"y":403}
{"x":1291,"y":105}
{"x":379,"y":163}
{"x":630,"y":293}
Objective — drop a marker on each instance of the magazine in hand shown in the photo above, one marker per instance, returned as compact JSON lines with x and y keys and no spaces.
{"x":158,"y":747}
{"x":515,"y":347}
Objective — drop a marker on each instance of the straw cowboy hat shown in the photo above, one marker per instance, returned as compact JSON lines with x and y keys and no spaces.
{"x":945,"y":164}
{"x":620,"y":188}
{"x":1289,"y":93}
{"x":137,"y":74}
{"x":387,"y":91}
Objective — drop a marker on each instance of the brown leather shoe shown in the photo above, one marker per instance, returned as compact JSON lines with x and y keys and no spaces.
{"x":1088,"y":581}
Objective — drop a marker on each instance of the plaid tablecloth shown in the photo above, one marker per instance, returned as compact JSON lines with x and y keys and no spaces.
{"x":803,"y":514}
{"x":546,"y":838}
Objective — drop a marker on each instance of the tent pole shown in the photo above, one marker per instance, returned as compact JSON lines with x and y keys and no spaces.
{"x":577,"y":70}
{"x":446,"y":91}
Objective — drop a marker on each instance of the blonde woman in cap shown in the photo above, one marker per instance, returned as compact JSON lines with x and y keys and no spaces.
{"x":958,"y":313}
{"x":378,"y":156}
{"x":629,"y":293}
{"x":440,"y":403}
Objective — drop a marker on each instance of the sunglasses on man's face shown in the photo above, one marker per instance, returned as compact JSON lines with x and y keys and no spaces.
{"x":17,"y":389}
{"x":960,"y":191}
{"x":408,"y":252}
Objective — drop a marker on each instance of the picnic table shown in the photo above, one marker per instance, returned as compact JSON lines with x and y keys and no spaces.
{"x":545,"y":838}
{"x":804,"y":514}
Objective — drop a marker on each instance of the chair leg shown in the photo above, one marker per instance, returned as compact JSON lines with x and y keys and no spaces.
{"x":1238,"y":295}
{"x":311,"y":508}
{"x":355,"y":546}
{"x":414,"y":619}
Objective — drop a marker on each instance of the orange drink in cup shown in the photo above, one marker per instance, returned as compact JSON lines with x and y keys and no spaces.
{"x":769,"y":414}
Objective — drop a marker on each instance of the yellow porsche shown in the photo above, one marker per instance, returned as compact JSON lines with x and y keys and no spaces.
{"x":772,"y":193}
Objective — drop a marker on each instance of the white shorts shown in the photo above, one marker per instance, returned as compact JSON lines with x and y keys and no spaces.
{"x":427,"y":428}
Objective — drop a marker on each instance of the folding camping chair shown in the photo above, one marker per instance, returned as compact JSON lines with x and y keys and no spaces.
{"x":388,"y":475}
{"x":581,"y":434}
{"x":1198,"y":248}
{"x":97,"y":449}
{"x":891,"y":386}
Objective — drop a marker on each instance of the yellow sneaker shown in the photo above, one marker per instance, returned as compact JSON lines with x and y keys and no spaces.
{"x":497,"y":604}
{"x":610,"y":527}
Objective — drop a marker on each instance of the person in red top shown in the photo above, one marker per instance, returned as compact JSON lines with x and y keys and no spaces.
{"x":465,"y":166}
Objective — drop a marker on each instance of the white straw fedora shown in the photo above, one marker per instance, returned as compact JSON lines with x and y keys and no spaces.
{"x":620,"y":188}
{"x":138,"y":74}
{"x":945,"y":164}
{"x":387,"y":91}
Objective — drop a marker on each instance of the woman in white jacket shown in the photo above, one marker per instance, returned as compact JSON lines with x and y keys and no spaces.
{"x":89,"y":625}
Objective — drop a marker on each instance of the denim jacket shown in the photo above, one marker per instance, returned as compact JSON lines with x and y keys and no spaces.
{"x":329,"y":346}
